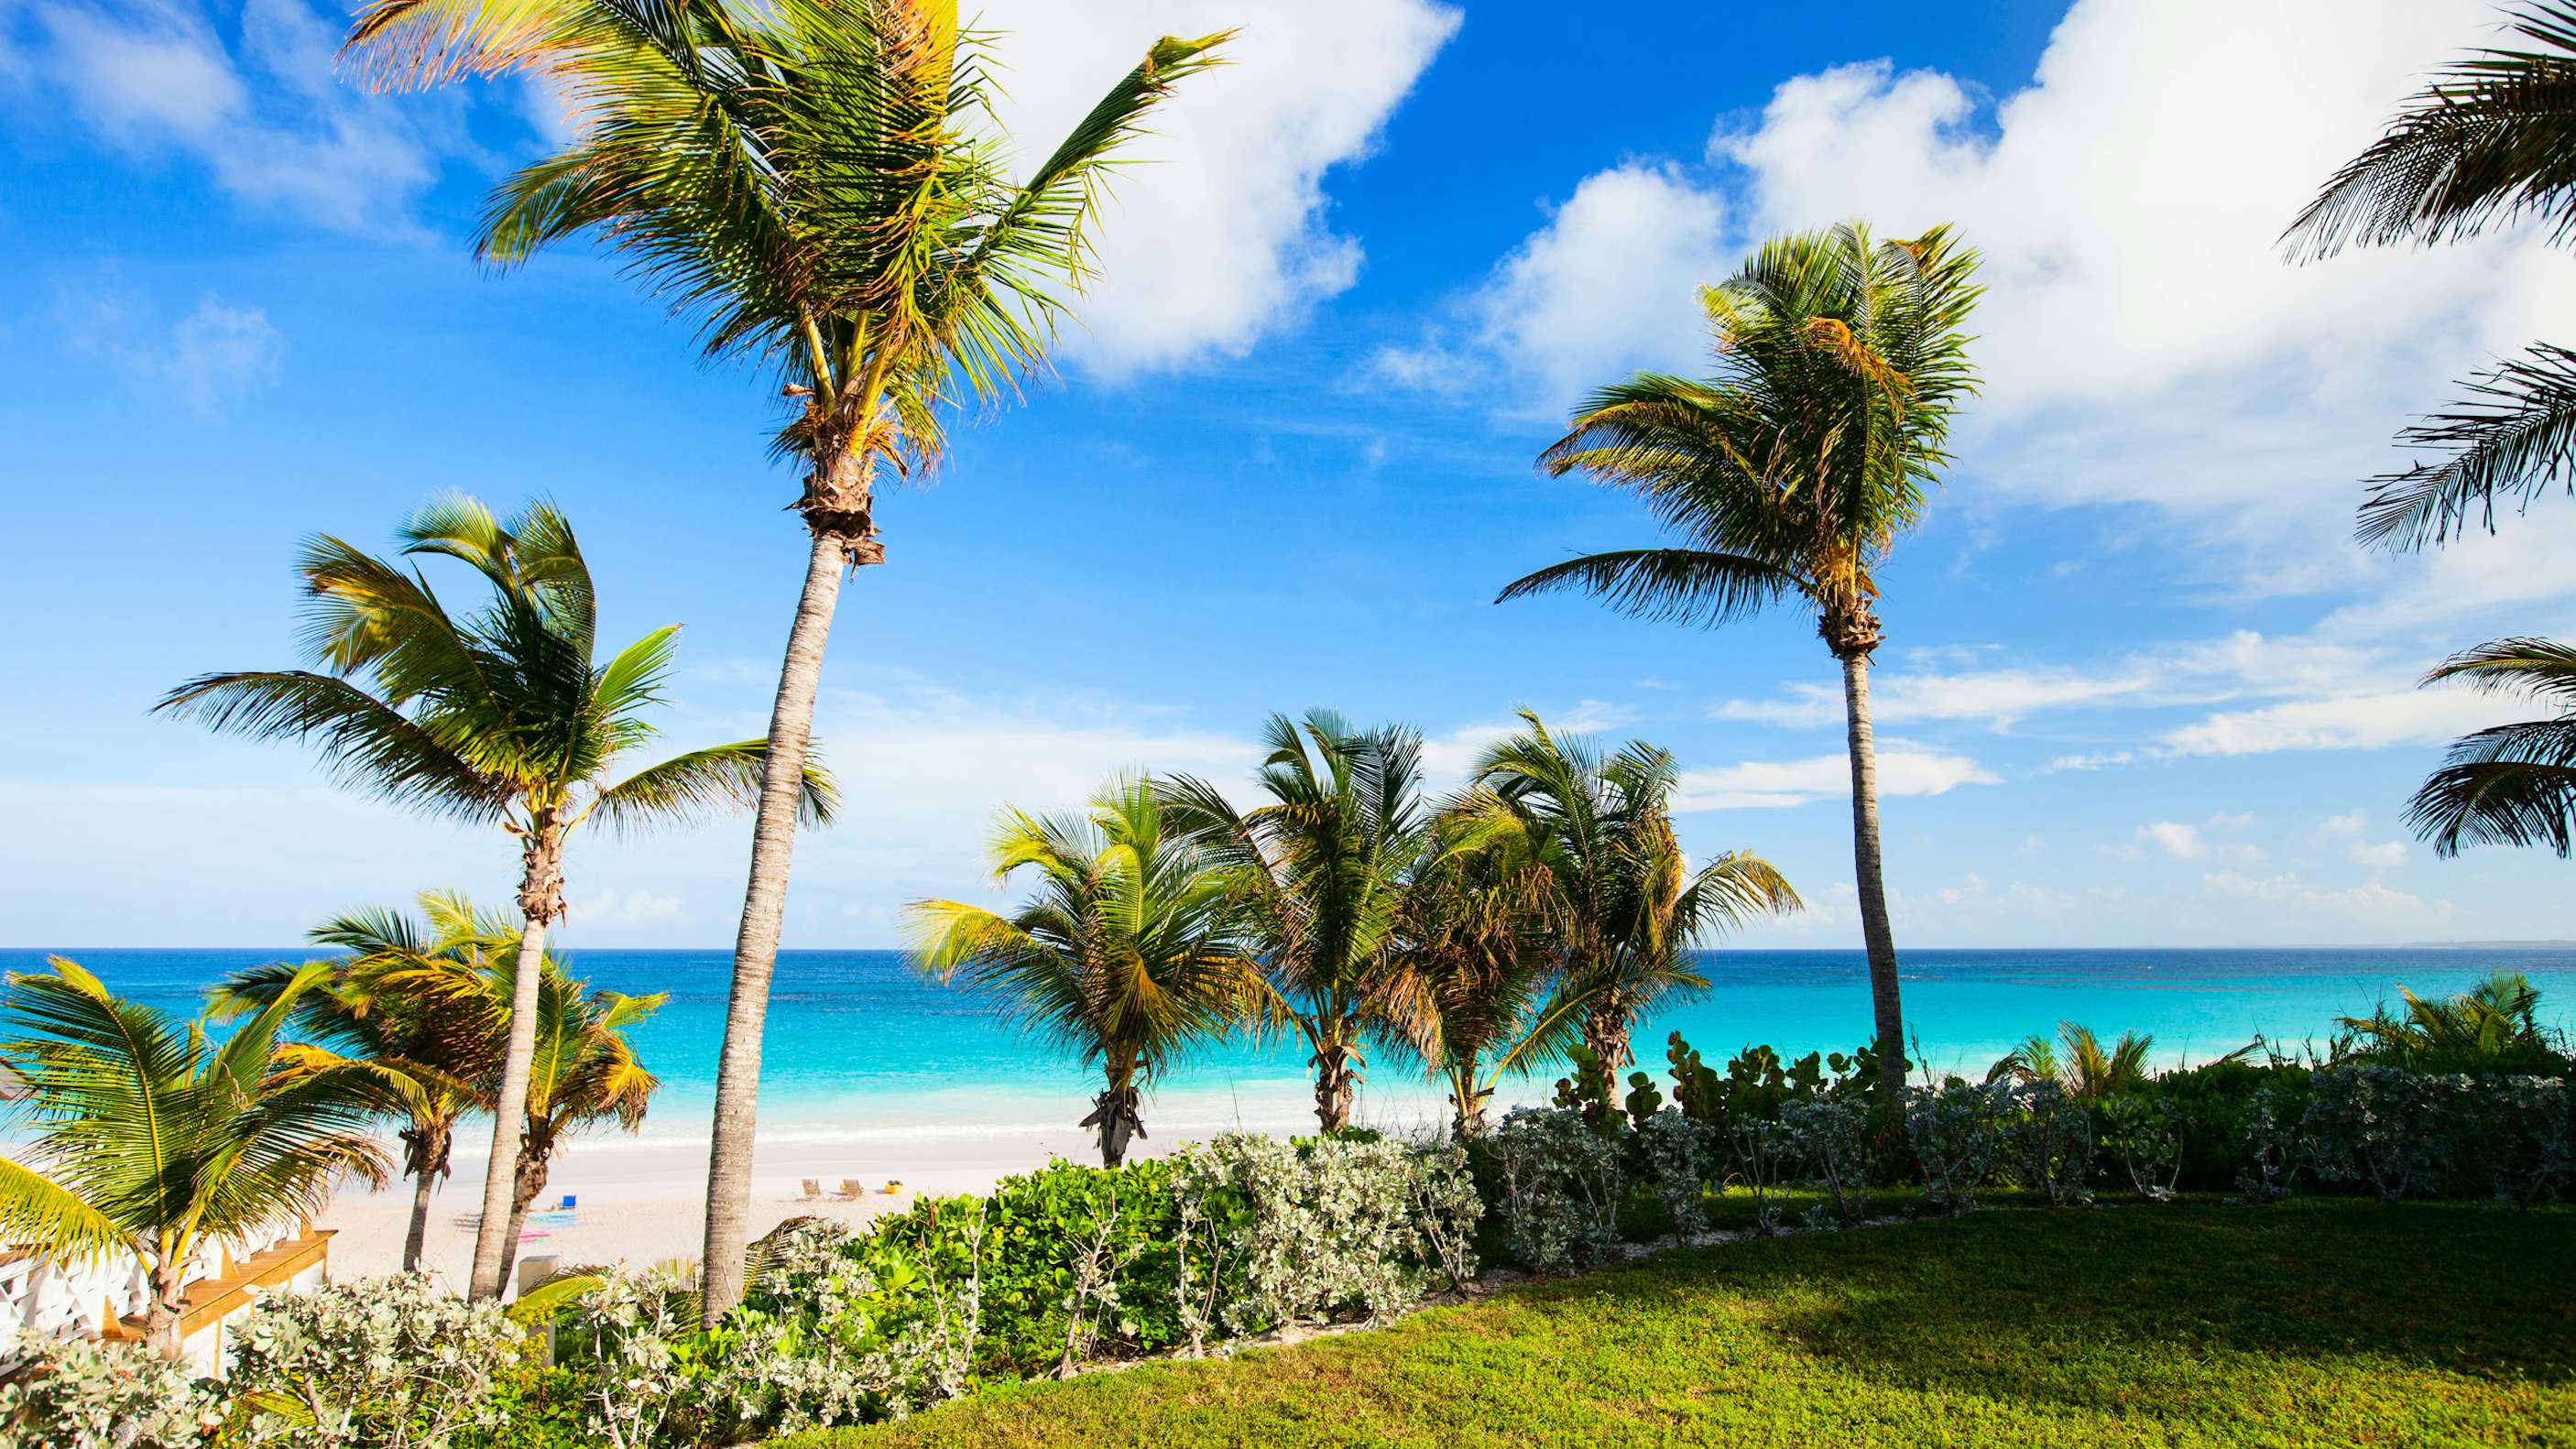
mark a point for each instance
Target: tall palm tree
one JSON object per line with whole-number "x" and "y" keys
{"x": 143, "y": 1136}
{"x": 1131, "y": 951}
{"x": 2490, "y": 141}
{"x": 1628, "y": 905}
{"x": 1323, "y": 866}
{"x": 1479, "y": 932}
{"x": 404, "y": 998}
{"x": 821, "y": 184}
{"x": 494, "y": 718}
{"x": 584, "y": 1074}
{"x": 1789, "y": 474}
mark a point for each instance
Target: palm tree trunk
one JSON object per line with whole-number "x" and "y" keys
{"x": 161, "y": 1316}
{"x": 428, "y": 1164}
{"x": 540, "y": 900}
{"x": 1874, "y": 929}
{"x": 1336, "y": 1077}
{"x": 1468, "y": 1099}
{"x": 764, "y": 903}
{"x": 1606, "y": 1030}
{"x": 527, "y": 1182}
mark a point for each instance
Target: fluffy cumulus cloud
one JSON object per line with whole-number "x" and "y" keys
{"x": 1223, "y": 230}
{"x": 1904, "y": 768}
{"x": 2144, "y": 339}
{"x": 262, "y": 109}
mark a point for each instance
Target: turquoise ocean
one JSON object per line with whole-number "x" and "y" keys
{"x": 859, "y": 1046}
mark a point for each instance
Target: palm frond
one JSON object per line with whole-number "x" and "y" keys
{"x": 2516, "y": 437}
{"x": 722, "y": 777}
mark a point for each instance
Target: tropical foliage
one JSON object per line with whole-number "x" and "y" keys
{"x": 821, "y": 185}
{"x": 142, "y": 1136}
{"x": 405, "y": 999}
{"x": 1790, "y": 473}
{"x": 1323, "y": 865}
{"x": 1132, "y": 952}
{"x": 2088, "y": 1070}
{"x": 2493, "y": 1026}
{"x": 498, "y": 717}
{"x": 1623, "y": 905}
{"x": 2488, "y": 142}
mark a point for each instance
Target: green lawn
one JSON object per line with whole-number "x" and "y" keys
{"x": 2325, "y": 1323}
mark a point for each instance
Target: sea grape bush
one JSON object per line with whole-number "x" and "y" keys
{"x": 82, "y": 1395}
{"x": 2385, "y": 1126}
{"x": 1955, "y": 1131}
{"x": 2271, "y": 1145}
{"x": 2140, "y": 1130}
{"x": 2528, "y": 1137}
{"x": 1328, "y": 1228}
{"x": 1830, "y": 1136}
{"x": 378, "y": 1363}
{"x": 2046, "y": 1139}
{"x": 1563, "y": 1182}
{"x": 1676, "y": 1149}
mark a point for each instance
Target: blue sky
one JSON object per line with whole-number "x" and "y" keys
{"x": 2138, "y": 689}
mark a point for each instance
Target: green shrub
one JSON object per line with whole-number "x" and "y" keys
{"x": 377, "y": 1361}
{"x": 81, "y": 1395}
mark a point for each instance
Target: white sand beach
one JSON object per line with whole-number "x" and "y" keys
{"x": 641, "y": 1203}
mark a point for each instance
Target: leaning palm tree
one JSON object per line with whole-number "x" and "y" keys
{"x": 403, "y": 998}
{"x": 1323, "y": 865}
{"x": 144, "y": 1137}
{"x": 2514, "y": 784}
{"x": 1132, "y": 951}
{"x": 821, "y": 184}
{"x": 1628, "y": 905}
{"x": 2489, "y": 142}
{"x": 497, "y": 718}
{"x": 1788, "y": 475}
{"x": 585, "y": 1074}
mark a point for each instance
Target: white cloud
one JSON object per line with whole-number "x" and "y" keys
{"x": 2143, "y": 339}
{"x": 1222, "y": 231}
{"x": 2178, "y": 840}
{"x": 2370, "y": 904}
{"x": 1449, "y": 756}
{"x": 2344, "y": 722}
{"x": 215, "y": 353}
{"x": 1998, "y": 696}
{"x": 269, "y": 117}
{"x": 1610, "y": 283}
{"x": 609, "y": 906}
{"x": 1903, "y": 769}
{"x": 2385, "y": 855}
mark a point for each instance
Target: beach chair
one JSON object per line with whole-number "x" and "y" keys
{"x": 813, "y": 1189}
{"x": 852, "y": 1189}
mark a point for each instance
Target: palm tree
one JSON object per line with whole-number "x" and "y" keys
{"x": 1478, "y": 931}
{"x": 584, "y": 1073}
{"x": 822, "y": 185}
{"x": 2491, "y": 140}
{"x": 1788, "y": 476}
{"x": 1132, "y": 950}
{"x": 495, "y": 718}
{"x": 403, "y": 999}
{"x": 2494, "y": 1025}
{"x": 1323, "y": 867}
{"x": 147, "y": 1138}
{"x": 2089, "y": 1071}
{"x": 2514, "y": 784}
{"x": 1628, "y": 905}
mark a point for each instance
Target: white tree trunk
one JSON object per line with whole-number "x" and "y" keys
{"x": 492, "y": 1236}
{"x": 764, "y": 904}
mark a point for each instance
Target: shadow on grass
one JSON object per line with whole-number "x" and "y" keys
{"x": 2139, "y": 1309}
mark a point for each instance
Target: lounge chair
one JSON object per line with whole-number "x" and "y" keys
{"x": 813, "y": 1189}
{"x": 852, "y": 1189}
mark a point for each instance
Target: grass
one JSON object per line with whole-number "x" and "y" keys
{"x": 2312, "y": 1323}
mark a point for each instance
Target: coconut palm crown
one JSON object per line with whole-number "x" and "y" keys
{"x": 1788, "y": 475}
{"x": 1131, "y": 951}
{"x": 144, "y": 1136}
{"x": 823, "y": 186}
{"x": 1323, "y": 864}
{"x": 498, "y": 717}
{"x": 1629, "y": 906}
